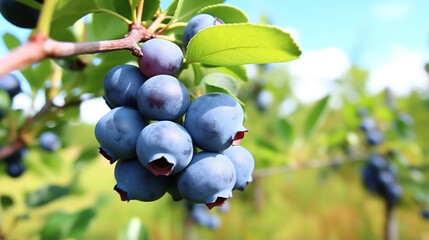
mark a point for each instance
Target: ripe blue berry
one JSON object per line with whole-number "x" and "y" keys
{"x": 50, "y": 141}
{"x": 163, "y": 97}
{"x": 136, "y": 182}
{"x": 117, "y": 133}
{"x": 202, "y": 216}
{"x": 374, "y": 138}
{"x": 368, "y": 124}
{"x": 15, "y": 169}
{"x": 425, "y": 213}
{"x": 122, "y": 84}
{"x": 160, "y": 56}
{"x": 10, "y": 84}
{"x": 377, "y": 161}
{"x": 198, "y": 23}
{"x": 244, "y": 164}
{"x": 14, "y": 163}
{"x": 164, "y": 147}
{"x": 393, "y": 193}
{"x": 209, "y": 179}
{"x": 215, "y": 122}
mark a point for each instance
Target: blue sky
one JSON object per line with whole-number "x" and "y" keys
{"x": 388, "y": 37}
{"x": 366, "y": 30}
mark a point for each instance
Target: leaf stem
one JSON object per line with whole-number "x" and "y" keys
{"x": 140, "y": 12}
{"x": 156, "y": 24}
{"x": 44, "y": 22}
{"x": 114, "y": 14}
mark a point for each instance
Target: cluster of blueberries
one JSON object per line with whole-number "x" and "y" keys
{"x": 379, "y": 175}
{"x": 162, "y": 141}
{"x": 48, "y": 141}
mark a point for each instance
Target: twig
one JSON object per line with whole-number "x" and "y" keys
{"x": 140, "y": 12}
{"x": 305, "y": 165}
{"x": 40, "y": 47}
{"x": 391, "y": 226}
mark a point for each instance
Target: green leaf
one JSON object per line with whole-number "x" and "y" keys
{"x": 123, "y": 8}
{"x": 316, "y": 116}
{"x": 87, "y": 156}
{"x": 56, "y": 226}
{"x": 67, "y": 225}
{"x": 243, "y": 43}
{"x": 285, "y": 129}
{"x": 31, "y": 3}
{"x": 198, "y": 73}
{"x": 6, "y": 202}
{"x": 81, "y": 222}
{"x": 45, "y": 195}
{"x": 98, "y": 31}
{"x": 150, "y": 8}
{"x": 11, "y": 41}
{"x": 186, "y": 9}
{"x": 171, "y": 9}
{"x": 236, "y": 71}
{"x": 226, "y": 13}
{"x": 219, "y": 82}
{"x": 67, "y": 12}
{"x": 134, "y": 230}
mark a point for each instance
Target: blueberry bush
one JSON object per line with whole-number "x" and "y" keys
{"x": 196, "y": 147}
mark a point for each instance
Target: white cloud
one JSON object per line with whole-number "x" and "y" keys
{"x": 391, "y": 10}
{"x": 402, "y": 74}
{"x": 315, "y": 72}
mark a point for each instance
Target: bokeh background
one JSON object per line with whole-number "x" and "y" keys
{"x": 366, "y": 56}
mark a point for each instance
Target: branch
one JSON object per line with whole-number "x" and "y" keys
{"x": 10, "y": 149}
{"x": 305, "y": 165}
{"x": 41, "y": 47}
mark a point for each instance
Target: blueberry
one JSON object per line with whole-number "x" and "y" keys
{"x": 117, "y": 133}
{"x": 50, "y": 141}
{"x": 164, "y": 147}
{"x": 11, "y": 84}
{"x": 368, "y": 124}
{"x": 425, "y": 213}
{"x": 136, "y": 182}
{"x": 202, "y": 216}
{"x": 377, "y": 161}
{"x": 244, "y": 164}
{"x": 370, "y": 179}
{"x": 215, "y": 122}
{"x": 374, "y": 138}
{"x": 15, "y": 169}
{"x": 163, "y": 97}
{"x": 393, "y": 193}
{"x": 209, "y": 179}
{"x": 19, "y": 14}
{"x": 264, "y": 100}
{"x": 122, "y": 84}
{"x": 198, "y": 23}
{"x": 14, "y": 163}
{"x": 160, "y": 56}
